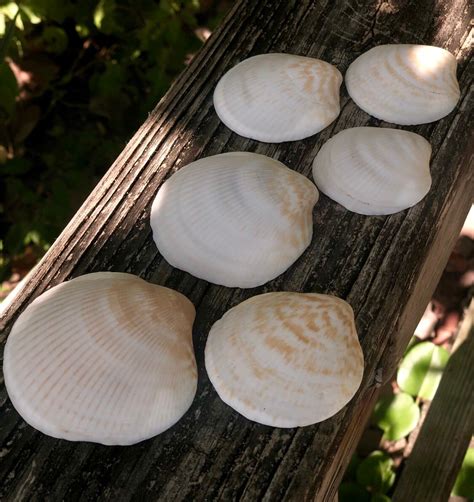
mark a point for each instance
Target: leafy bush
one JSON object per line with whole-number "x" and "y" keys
{"x": 368, "y": 480}
{"x": 421, "y": 370}
{"x": 76, "y": 80}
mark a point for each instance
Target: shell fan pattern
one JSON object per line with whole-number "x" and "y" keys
{"x": 374, "y": 171}
{"x": 237, "y": 219}
{"x": 404, "y": 84}
{"x": 286, "y": 359}
{"x": 106, "y": 357}
{"x": 278, "y": 97}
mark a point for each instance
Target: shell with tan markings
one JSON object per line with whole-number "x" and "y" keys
{"x": 404, "y": 83}
{"x": 106, "y": 357}
{"x": 238, "y": 219}
{"x": 286, "y": 359}
{"x": 278, "y": 97}
{"x": 374, "y": 170}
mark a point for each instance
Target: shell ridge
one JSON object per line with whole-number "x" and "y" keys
{"x": 404, "y": 84}
{"x": 81, "y": 395}
{"x": 302, "y": 375}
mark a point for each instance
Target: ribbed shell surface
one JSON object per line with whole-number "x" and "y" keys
{"x": 286, "y": 359}
{"x": 236, "y": 219}
{"x": 105, "y": 357}
{"x": 404, "y": 84}
{"x": 278, "y": 97}
{"x": 374, "y": 171}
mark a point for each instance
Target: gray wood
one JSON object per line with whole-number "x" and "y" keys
{"x": 432, "y": 467}
{"x": 380, "y": 264}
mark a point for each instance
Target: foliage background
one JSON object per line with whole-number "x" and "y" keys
{"x": 76, "y": 80}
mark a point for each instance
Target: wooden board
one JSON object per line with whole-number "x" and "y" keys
{"x": 382, "y": 265}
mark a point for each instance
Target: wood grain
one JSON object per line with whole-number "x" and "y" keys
{"x": 381, "y": 265}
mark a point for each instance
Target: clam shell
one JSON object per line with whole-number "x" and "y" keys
{"x": 106, "y": 357}
{"x": 404, "y": 84}
{"x": 286, "y": 359}
{"x": 278, "y": 97}
{"x": 374, "y": 171}
{"x": 237, "y": 219}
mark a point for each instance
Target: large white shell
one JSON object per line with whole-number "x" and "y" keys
{"x": 237, "y": 219}
{"x": 106, "y": 357}
{"x": 404, "y": 84}
{"x": 371, "y": 170}
{"x": 286, "y": 359}
{"x": 278, "y": 97}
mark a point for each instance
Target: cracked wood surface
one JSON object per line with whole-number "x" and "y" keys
{"x": 382, "y": 265}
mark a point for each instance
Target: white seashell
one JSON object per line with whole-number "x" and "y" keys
{"x": 286, "y": 359}
{"x": 106, "y": 357}
{"x": 237, "y": 219}
{"x": 278, "y": 97}
{"x": 404, "y": 84}
{"x": 374, "y": 171}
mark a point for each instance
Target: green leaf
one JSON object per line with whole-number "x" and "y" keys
{"x": 352, "y": 468}
{"x": 110, "y": 81}
{"x": 82, "y": 30}
{"x": 351, "y": 492}
{"x": 54, "y": 39}
{"x": 8, "y": 90}
{"x": 53, "y": 10}
{"x": 464, "y": 485}
{"x": 29, "y": 14}
{"x": 379, "y": 497}
{"x": 9, "y": 31}
{"x": 421, "y": 370}
{"x": 413, "y": 341}
{"x": 10, "y": 9}
{"x": 99, "y": 14}
{"x": 397, "y": 415}
{"x": 15, "y": 167}
{"x": 375, "y": 472}
{"x": 32, "y": 237}
{"x": 105, "y": 17}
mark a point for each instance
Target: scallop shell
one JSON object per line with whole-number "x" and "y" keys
{"x": 105, "y": 357}
{"x": 278, "y": 97}
{"x": 286, "y": 359}
{"x": 404, "y": 84}
{"x": 374, "y": 171}
{"x": 237, "y": 219}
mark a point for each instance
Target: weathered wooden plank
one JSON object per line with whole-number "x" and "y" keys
{"x": 378, "y": 263}
{"x": 446, "y": 432}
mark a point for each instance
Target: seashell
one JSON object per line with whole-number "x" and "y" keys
{"x": 374, "y": 171}
{"x": 404, "y": 84}
{"x": 286, "y": 359}
{"x": 106, "y": 357}
{"x": 278, "y": 97}
{"x": 238, "y": 219}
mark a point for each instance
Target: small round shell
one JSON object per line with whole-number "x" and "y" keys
{"x": 374, "y": 171}
{"x": 286, "y": 359}
{"x": 404, "y": 84}
{"x": 237, "y": 219}
{"x": 105, "y": 357}
{"x": 278, "y": 97}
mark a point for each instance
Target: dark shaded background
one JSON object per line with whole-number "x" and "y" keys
{"x": 77, "y": 78}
